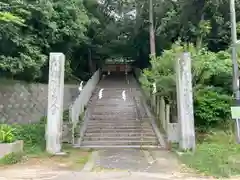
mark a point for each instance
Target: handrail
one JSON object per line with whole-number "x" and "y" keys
{"x": 80, "y": 103}
{"x": 161, "y": 110}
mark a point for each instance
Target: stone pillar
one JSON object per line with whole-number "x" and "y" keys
{"x": 163, "y": 112}
{"x": 185, "y": 102}
{"x": 55, "y": 103}
{"x": 167, "y": 114}
{"x": 154, "y": 98}
{"x": 158, "y": 106}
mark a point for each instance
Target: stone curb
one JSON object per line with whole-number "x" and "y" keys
{"x": 91, "y": 162}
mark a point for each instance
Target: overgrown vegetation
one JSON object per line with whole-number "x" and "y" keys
{"x": 33, "y": 136}
{"x": 217, "y": 154}
{"x": 89, "y": 31}
{"x": 212, "y": 100}
{"x": 6, "y": 134}
{"x": 11, "y": 158}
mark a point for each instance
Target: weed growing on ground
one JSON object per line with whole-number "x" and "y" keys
{"x": 216, "y": 155}
{"x": 11, "y": 158}
{"x": 7, "y": 134}
{"x": 33, "y": 136}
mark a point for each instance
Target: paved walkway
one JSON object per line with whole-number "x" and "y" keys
{"x": 122, "y": 176}
{"x": 111, "y": 164}
{"x": 136, "y": 160}
{"x": 34, "y": 175}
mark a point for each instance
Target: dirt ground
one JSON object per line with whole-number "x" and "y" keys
{"x": 44, "y": 166}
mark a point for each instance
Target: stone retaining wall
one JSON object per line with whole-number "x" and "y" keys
{"x": 25, "y": 103}
{"x": 7, "y": 148}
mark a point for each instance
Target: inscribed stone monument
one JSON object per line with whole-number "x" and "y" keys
{"x": 185, "y": 101}
{"x": 55, "y": 103}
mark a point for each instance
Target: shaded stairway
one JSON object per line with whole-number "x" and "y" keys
{"x": 115, "y": 121}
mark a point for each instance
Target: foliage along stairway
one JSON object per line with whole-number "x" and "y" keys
{"x": 115, "y": 121}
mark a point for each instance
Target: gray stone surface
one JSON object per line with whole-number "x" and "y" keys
{"x": 48, "y": 174}
{"x": 110, "y": 176}
{"x": 185, "y": 102}
{"x": 55, "y": 103}
{"x": 7, "y": 148}
{"x": 67, "y": 132}
{"x": 117, "y": 119}
{"x": 123, "y": 159}
{"x": 25, "y": 103}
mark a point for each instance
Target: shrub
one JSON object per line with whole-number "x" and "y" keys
{"x": 211, "y": 79}
{"x": 43, "y": 120}
{"x": 6, "y": 134}
{"x": 33, "y": 135}
{"x": 66, "y": 115}
{"x": 211, "y": 107}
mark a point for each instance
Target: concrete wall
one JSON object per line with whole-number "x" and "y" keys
{"x": 24, "y": 103}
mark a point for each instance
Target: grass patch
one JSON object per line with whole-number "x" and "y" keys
{"x": 75, "y": 159}
{"x": 33, "y": 136}
{"x": 12, "y": 158}
{"x": 217, "y": 155}
{"x": 34, "y": 153}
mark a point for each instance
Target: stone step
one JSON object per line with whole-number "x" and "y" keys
{"x": 112, "y": 96}
{"x": 113, "y": 99}
{"x": 112, "y": 105}
{"x": 120, "y": 142}
{"x": 119, "y": 138}
{"x": 116, "y": 124}
{"x": 118, "y": 146}
{"x": 113, "y": 109}
{"x": 115, "y": 90}
{"x": 104, "y": 91}
{"x": 115, "y": 93}
{"x": 118, "y": 108}
{"x": 111, "y": 116}
{"x": 121, "y": 134}
{"x": 127, "y": 112}
{"x": 114, "y": 120}
{"x": 119, "y": 102}
{"x": 131, "y": 114}
{"x": 119, "y": 127}
{"x": 106, "y": 130}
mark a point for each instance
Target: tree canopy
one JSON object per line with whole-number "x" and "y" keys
{"x": 90, "y": 31}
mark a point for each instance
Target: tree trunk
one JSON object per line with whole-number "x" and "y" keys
{"x": 151, "y": 30}
{"x": 199, "y": 42}
{"x": 90, "y": 63}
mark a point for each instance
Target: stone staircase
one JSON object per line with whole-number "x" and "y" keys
{"x": 115, "y": 122}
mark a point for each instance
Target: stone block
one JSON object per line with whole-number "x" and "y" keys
{"x": 7, "y": 148}
{"x": 173, "y": 132}
{"x": 67, "y": 133}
